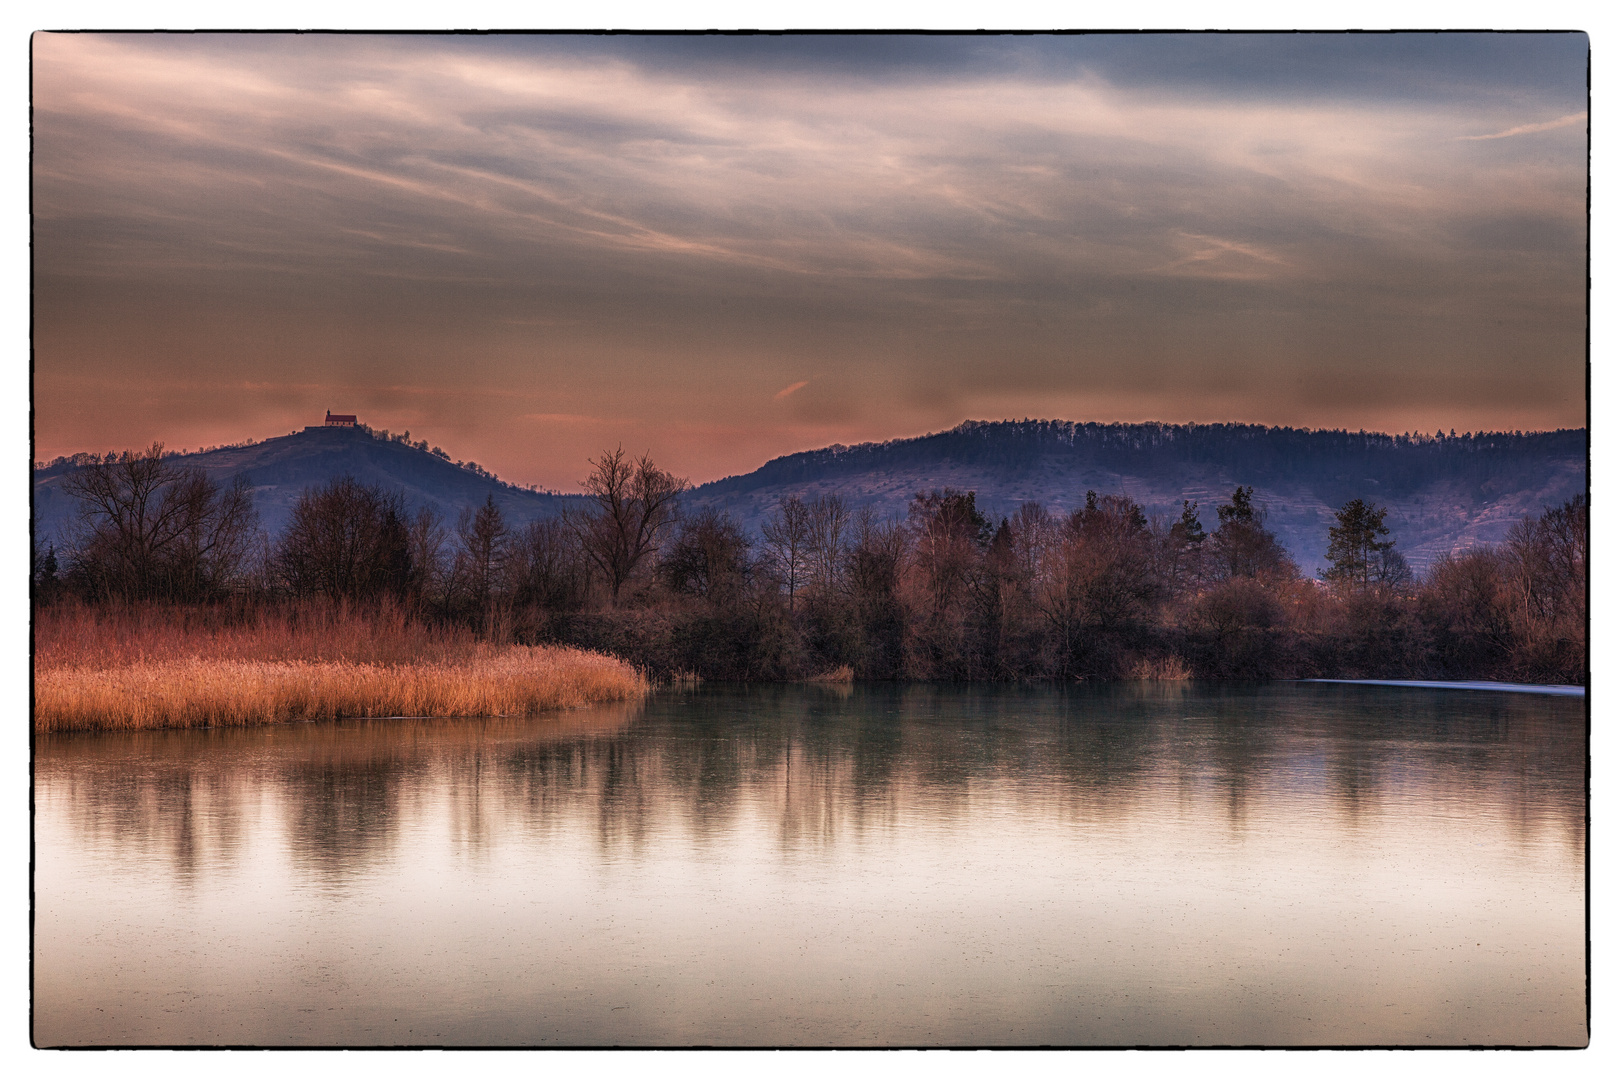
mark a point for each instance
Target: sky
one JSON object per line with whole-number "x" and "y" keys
{"x": 722, "y": 249}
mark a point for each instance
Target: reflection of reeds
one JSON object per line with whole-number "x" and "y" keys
{"x": 150, "y": 669}
{"x": 357, "y": 743}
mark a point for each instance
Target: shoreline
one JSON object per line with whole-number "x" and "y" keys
{"x": 511, "y": 682}
{"x": 1550, "y": 689}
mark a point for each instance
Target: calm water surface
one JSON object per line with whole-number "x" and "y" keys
{"x": 922, "y": 865}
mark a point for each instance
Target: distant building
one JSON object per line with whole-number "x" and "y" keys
{"x": 340, "y": 419}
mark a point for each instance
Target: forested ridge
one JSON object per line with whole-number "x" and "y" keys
{"x": 1397, "y": 462}
{"x": 1444, "y": 492}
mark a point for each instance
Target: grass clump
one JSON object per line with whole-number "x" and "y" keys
{"x": 1161, "y": 669}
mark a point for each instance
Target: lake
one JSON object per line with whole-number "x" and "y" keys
{"x": 1159, "y": 864}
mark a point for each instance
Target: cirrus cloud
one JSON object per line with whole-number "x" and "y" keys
{"x": 660, "y": 230}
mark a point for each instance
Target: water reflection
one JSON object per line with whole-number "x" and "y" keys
{"x": 890, "y": 797}
{"x": 827, "y": 766}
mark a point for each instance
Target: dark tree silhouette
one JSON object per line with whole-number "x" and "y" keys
{"x": 152, "y": 531}
{"x": 549, "y": 568}
{"x": 346, "y": 540}
{"x": 46, "y": 582}
{"x": 483, "y": 552}
{"x": 787, "y": 543}
{"x": 1183, "y": 549}
{"x": 950, "y": 535}
{"x": 1243, "y": 546}
{"x": 1188, "y": 529}
{"x": 708, "y": 557}
{"x": 1358, "y": 556}
{"x": 636, "y": 503}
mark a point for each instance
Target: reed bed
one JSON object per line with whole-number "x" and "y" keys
{"x": 89, "y": 675}
{"x": 75, "y": 635}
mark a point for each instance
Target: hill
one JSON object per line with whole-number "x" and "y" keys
{"x": 1443, "y": 493}
{"x": 280, "y": 469}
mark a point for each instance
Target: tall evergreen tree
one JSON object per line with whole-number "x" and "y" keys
{"x": 1243, "y": 546}
{"x": 1354, "y": 546}
{"x": 1188, "y": 530}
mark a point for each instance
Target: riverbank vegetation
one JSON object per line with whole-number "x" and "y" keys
{"x": 1104, "y": 592}
{"x": 236, "y": 664}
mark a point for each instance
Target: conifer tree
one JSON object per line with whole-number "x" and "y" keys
{"x": 1354, "y": 546}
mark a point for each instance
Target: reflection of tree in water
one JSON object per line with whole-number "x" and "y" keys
{"x": 137, "y": 793}
{"x": 342, "y": 812}
{"x": 816, "y": 767}
{"x": 697, "y": 759}
{"x": 704, "y": 765}
{"x": 830, "y": 766}
{"x": 844, "y": 767}
{"x": 541, "y": 782}
{"x": 1524, "y": 754}
{"x": 468, "y": 780}
{"x": 628, "y": 790}
{"x": 1245, "y": 736}
{"x": 1105, "y": 743}
{"x": 815, "y": 763}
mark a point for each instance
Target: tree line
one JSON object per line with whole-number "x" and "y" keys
{"x": 1104, "y": 592}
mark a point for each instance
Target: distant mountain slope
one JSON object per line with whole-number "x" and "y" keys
{"x": 281, "y": 468}
{"x": 1443, "y": 494}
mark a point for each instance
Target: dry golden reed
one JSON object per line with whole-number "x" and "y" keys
{"x": 74, "y": 635}
{"x": 1163, "y": 669}
{"x": 352, "y": 666}
{"x": 843, "y": 673}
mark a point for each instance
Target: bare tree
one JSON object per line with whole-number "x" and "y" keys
{"x": 346, "y": 540}
{"x": 426, "y": 546}
{"x": 1058, "y": 591}
{"x": 151, "y": 530}
{"x": 1020, "y": 561}
{"x": 483, "y": 552}
{"x": 787, "y": 543}
{"x": 1037, "y": 535}
{"x": 709, "y": 557}
{"x": 950, "y": 538}
{"x": 1109, "y": 559}
{"x": 1546, "y": 563}
{"x": 1468, "y": 601}
{"x": 872, "y": 575}
{"x": 635, "y": 502}
{"x": 828, "y": 541}
{"x": 547, "y": 567}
